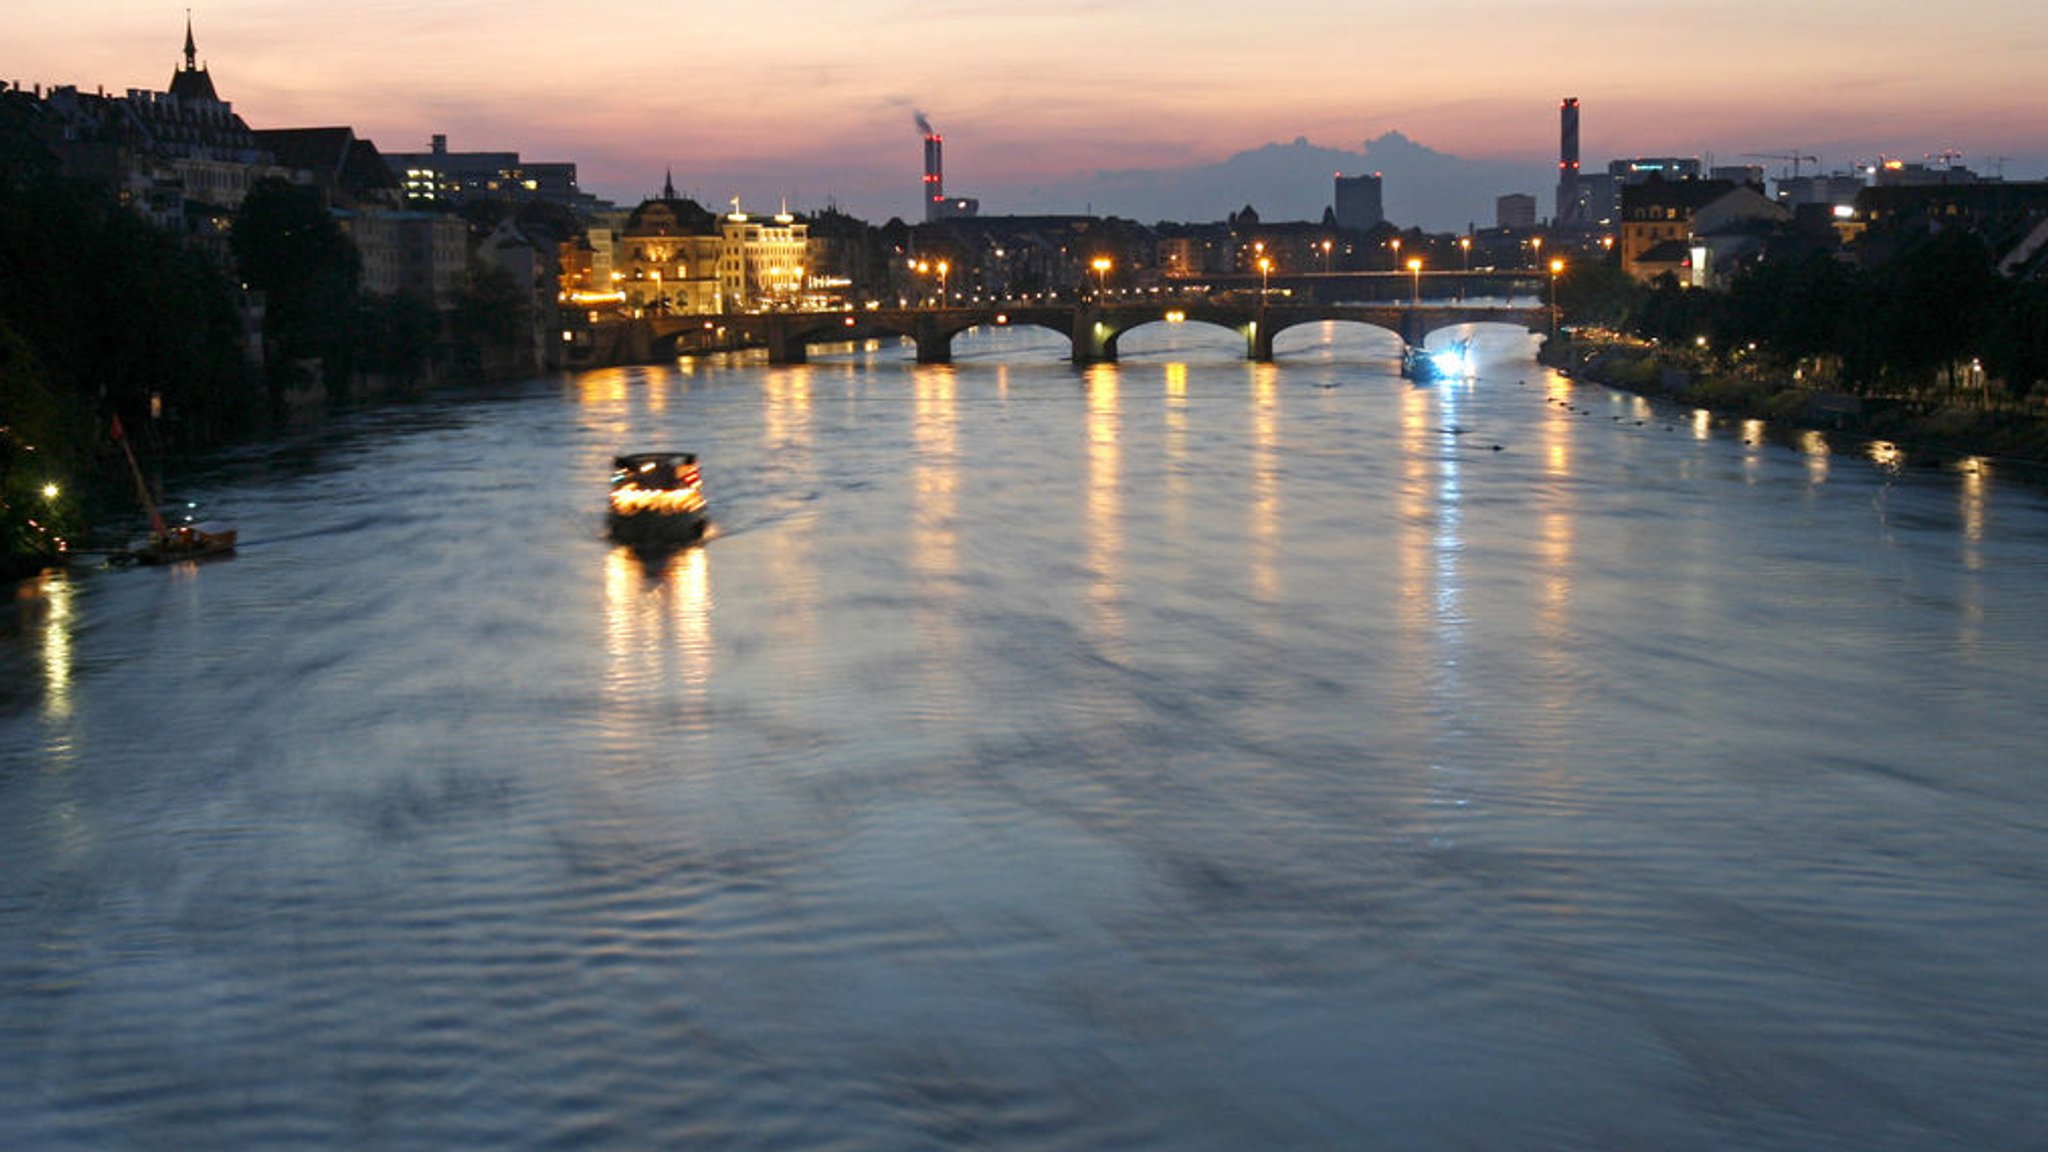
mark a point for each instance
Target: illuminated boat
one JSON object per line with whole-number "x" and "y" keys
{"x": 1424, "y": 366}
{"x": 170, "y": 544}
{"x": 657, "y": 500}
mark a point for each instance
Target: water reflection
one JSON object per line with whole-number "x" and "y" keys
{"x": 1105, "y": 501}
{"x": 54, "y": 592}
{"x": 658, "y": 634}
{"x": 787, "y": 438}
{"x": 1818, "y": 455}
{"x": 1175, "y": 448}
{"x": 1265, "y": 484}
{"x": 935, "y": 475}
{"x": 786, "y": 408}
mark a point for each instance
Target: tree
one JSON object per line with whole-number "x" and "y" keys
{"x": 292, "y": 250}
{"x": 38, "y": 459}
{"x": 1938, "y": 298}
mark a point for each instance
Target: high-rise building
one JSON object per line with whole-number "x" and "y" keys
{"x": 1359, "y": 207}
{"x": 1571, "y": 210}
{"x": 1515, "y": 210}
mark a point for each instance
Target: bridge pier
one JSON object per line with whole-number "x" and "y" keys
{"x": 1258, "y": 339}
{"x": 1094, "y": 341}
{"x": 934, "y": 341}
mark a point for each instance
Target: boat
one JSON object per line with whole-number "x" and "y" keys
{"x": 170, "y": 543}
{"x": 657, "y": 500}
{"x": 1450, "y": 363}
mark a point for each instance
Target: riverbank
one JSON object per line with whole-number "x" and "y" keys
{"x": 1931, "y": 429}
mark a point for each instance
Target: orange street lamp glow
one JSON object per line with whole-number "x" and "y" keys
{"x": 1415, "y": 273}
{"x": 1265, "y": 270}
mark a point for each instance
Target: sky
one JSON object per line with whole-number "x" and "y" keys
{"x": 813, "y": 103}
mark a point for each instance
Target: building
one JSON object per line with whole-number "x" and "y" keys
{"x": 1571, "y": 205}
{"x": 1902, "y": 174}
{"x": 424, "y": 254}
{"x": 1638, "y": 169}
{"x": 673, "y": 255}
{"x": 182, "y": 158}
{"x": 1359, "y": 203}
{"x": 1841, "y": 188}
{"x": 348, "y": 172}
{"x": 666, "y": 257}
{"x": 1515, "y": 210}
{"x": 1730, "y": 232}
{"x": 462, "y": 177}
{"x": 1656, "y": 224}
{"x": 1602, "y": 193}
{"x": 764, "y": 261}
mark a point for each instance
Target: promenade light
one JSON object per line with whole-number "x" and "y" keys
{"x": 1101, "y": 264}
{"x": 1556, "y": 266}
{"x": 1415, "y": 274}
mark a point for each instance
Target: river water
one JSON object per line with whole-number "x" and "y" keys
{"x": 1184, "y": 754}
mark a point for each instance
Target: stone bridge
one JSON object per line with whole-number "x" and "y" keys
{"x": 1092, "y": 328}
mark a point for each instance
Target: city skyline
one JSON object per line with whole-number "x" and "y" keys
{"x": 815, "y": 105}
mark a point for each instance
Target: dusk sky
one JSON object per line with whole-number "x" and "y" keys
{"x": 814, "y": 101}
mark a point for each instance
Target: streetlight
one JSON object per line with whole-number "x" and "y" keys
{"x": 1265, "y": 270}
{"x": 1395, "y": 243}
{"x": 1326, "y": 257}
{"x": 1536, "y": 245}
{"x": 1556, "y": 266}
{"x": 1415, "y": 273}
{"x": 1101, "y": 265}
{"x": 1465, "y": 247}
{"x": 943, "y": 269}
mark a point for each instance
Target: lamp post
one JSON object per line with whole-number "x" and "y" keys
{"x": 1265, "y": 270}
{"x": 1395, "y": 244}
{"x": 943, "y": 269}
{"x": 1101, "y": 264}
{"x": 1536, "y": 247}
{"x": 1556, "y": 266}
{"x": 1415, "y": 274}
{"x": 1326, "y": 257}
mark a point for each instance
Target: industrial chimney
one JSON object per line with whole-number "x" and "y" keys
{"x": 934, "y": 171}
{"x": 1569, "y": 210}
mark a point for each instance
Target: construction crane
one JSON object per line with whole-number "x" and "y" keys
{"x": 1792, "y": 158}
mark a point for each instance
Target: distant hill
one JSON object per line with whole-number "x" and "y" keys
{"x": 1423, "y": 187}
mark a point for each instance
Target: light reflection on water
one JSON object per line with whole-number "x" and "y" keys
{"x": 1180, "y": 754}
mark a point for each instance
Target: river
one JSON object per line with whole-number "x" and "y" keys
{"x": 1182, "y": 754}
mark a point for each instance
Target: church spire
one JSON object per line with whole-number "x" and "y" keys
{"x": 668, "y": 185}
{"x": 191, "y": 49}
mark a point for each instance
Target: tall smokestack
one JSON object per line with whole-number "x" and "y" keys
{"x": 934, "y": 169}
{"x": 1568, "y": 208}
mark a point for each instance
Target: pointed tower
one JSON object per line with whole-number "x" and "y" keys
{"x": 668, "y": 184}
{"x": 191, "y": 83}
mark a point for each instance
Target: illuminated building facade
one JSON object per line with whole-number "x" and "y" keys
{"x": 464, "y": 177}
{"x": 674, "y": 256}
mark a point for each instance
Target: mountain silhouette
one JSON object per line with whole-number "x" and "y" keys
{"x": 1421, "y": 186}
